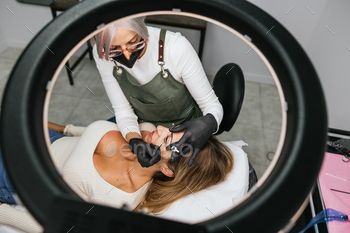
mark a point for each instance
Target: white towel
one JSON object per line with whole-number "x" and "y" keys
{"x": 218, "y": 199}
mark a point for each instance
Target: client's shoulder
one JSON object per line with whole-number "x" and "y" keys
{"x": 102, "y": 125}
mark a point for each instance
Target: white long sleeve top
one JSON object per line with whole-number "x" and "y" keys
{"x": 80, "y": 173}
{"x": 184, "y": 65}
{"x": 73, "y": 158}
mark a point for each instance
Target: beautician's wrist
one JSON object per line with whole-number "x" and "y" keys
{"x": 215, "y": 124}
{"x": 131, "y": 135}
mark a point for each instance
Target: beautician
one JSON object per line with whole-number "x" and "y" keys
{"x": 153, "y": 75}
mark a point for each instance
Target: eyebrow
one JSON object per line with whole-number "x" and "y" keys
{"x": 113, "y": 46}
{"x": 133, "y": 37}
{"x": 171, "y": 140}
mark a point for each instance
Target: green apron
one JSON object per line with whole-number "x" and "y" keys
{"x": 163, "y": 100}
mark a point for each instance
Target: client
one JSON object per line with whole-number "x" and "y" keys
{"x": 100, "y": 168}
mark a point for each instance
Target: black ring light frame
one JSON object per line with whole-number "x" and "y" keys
{"x": 267, "y": 209}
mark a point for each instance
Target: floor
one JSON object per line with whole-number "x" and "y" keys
{"x": 259, "y": 123}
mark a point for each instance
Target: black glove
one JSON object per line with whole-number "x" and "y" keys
{"x": 197, "y": 134}
{"x": 146, "y": 155}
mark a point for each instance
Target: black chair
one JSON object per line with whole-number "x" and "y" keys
{"x": 229, "y": 88}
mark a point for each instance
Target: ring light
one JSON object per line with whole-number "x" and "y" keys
{"x": 58, "y": 208}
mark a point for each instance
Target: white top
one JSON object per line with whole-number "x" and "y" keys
{"x": 72, "y": 157}
{"x": 184, "y": 65}
{"x": 80, "y": 173}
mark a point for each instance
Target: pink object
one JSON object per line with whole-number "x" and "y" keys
{"x": 335, "y": 175}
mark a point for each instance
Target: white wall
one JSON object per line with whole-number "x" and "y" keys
{"x": 299, "y": 21}
{"x": 222, "y": 47}
{"x": 305, "y": 19}
{"x": 330, "y": 55}
{"x": 20, "y": 22}
{"x": 328, "y": 52}
{"x": 295, "y": 15}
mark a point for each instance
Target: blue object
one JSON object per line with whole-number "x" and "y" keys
{"x": 6, "y": 189}
{"x": 326, "y": 215}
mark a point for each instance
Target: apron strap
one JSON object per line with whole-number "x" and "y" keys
{"x": 161, "y": 52}
{"x": 161, "y": 45}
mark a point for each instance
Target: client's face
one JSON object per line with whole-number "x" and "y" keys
{"x": 163, "y": 137}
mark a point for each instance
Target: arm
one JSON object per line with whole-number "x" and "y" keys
{"x": 68, "y": 130}
{"x": 200, "y": 129}
{"x": 126, "y": 118}
{"x": 20, "y": 219}
{"x": 56, "y": 127}
{"x": 190, "y": 68}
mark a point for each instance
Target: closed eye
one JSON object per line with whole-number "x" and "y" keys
{"x": 129, "y": 43}
{"x": 166, "y": 139}
{"x": 133, "y": 42}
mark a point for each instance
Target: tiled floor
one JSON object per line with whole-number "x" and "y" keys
{"x": 259, "y": 122}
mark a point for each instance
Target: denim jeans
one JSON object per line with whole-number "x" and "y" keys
{"x": 6, "y": 190}
{"x": 112, "y": 119}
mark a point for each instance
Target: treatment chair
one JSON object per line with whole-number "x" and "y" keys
{"x": 229, "y": 87}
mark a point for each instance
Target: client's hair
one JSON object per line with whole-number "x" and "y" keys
{"x": 211, "y": 167}
{"x": 104, "y": 39}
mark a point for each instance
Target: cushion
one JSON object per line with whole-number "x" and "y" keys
{"x": 218, "y": 199}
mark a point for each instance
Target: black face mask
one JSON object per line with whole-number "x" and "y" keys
{"x": 128, "y": 63}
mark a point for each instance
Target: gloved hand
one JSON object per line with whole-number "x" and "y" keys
{"x": 146, "y": 155}
{"x": 197, "y": 134}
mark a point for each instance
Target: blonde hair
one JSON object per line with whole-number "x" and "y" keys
{"x": 211, "y": 167}
{"x": 104, "y": 39}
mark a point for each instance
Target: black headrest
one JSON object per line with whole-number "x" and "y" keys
{"x": 229, "y": 87}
